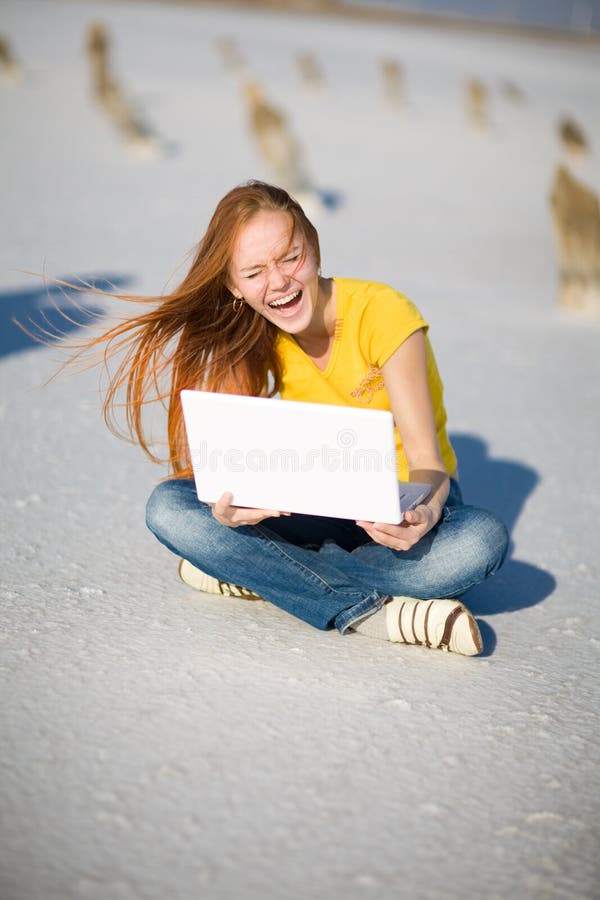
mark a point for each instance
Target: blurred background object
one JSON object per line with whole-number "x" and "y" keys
{"x": 392, "y": 75}
{"x": 576, "y": 213}
{"x": 10, "y": 70}
{"x": 573, "y": 138}
{"x": 139, "y": 137}
{"x": 311, "y": 73}
{"x": 98, "y": 54}
{"x": 276, "y": 143}
{"x": 229, "y": 53}
{"x": 477, "y": 102}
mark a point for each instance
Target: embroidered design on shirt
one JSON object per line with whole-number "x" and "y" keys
{"x": 370, "y": 384}
{"x": 337, "y": 331}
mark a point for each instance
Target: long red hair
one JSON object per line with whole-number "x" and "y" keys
{"x": 195, "y": 337}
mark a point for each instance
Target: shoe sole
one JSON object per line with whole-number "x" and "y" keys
{"x": 209, "y": 585}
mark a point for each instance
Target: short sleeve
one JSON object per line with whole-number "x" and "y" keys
{"x": 388, "y": 319}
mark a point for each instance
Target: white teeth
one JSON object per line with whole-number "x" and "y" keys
{"x": 276, "y": 303}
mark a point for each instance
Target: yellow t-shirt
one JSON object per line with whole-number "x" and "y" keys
{"x": 372, "y": 321}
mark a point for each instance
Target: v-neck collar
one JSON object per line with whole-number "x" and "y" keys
{"x": 337, "y": 335}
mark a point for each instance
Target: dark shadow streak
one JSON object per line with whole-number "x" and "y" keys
{"x": 50, "y": 311}
{"x": 502, "y": 486}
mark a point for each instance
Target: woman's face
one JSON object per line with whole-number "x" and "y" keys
{"x": 275, "y": 276}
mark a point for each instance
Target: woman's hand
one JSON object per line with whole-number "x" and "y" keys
{"x": 234, "y": 516}
{"x": 416, "y": 523}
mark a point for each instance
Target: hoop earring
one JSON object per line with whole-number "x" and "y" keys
{"x": 239, "y": 301}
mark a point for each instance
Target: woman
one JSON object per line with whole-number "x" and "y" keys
{"x": 254, "y": 316}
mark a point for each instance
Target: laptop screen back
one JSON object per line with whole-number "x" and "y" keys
{"x": 293, "y": 456}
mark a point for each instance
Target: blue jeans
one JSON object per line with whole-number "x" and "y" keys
{"x": 325, "y": 571}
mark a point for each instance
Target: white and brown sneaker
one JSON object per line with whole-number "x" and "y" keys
{"x": 200, "y": 581}
{"x": 441, "y": 624}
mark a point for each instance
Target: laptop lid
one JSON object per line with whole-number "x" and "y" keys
{"x": 294, "y": 456}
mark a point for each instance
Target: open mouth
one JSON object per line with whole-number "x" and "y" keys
{"x": 288, "y": 303}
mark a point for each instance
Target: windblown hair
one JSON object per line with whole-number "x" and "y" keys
{"x": 194, "y": 336}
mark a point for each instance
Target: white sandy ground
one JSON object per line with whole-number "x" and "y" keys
{"x": 157, "y": 743}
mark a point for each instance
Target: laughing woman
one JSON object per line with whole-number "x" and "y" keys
{"x": 254, "y": 316}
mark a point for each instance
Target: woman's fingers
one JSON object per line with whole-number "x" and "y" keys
{"x": 222, "y": 505}
{"x": 389, "y": 535}
{"x": 405, "y": 541}
{"x": 398, "y": 537}
{"x": 417, "y": 516}
{"x": 234, "y": 516}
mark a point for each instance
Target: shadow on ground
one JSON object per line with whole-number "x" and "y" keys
{"x": 503, "y": 486}
{"x": 49, "y": 311}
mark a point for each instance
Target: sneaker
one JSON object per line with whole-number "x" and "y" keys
{"x": 200, "y": 581}
{"x": 442, "y": 624}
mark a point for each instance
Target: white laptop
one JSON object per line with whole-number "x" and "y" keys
{"x": 297, "y": 457}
